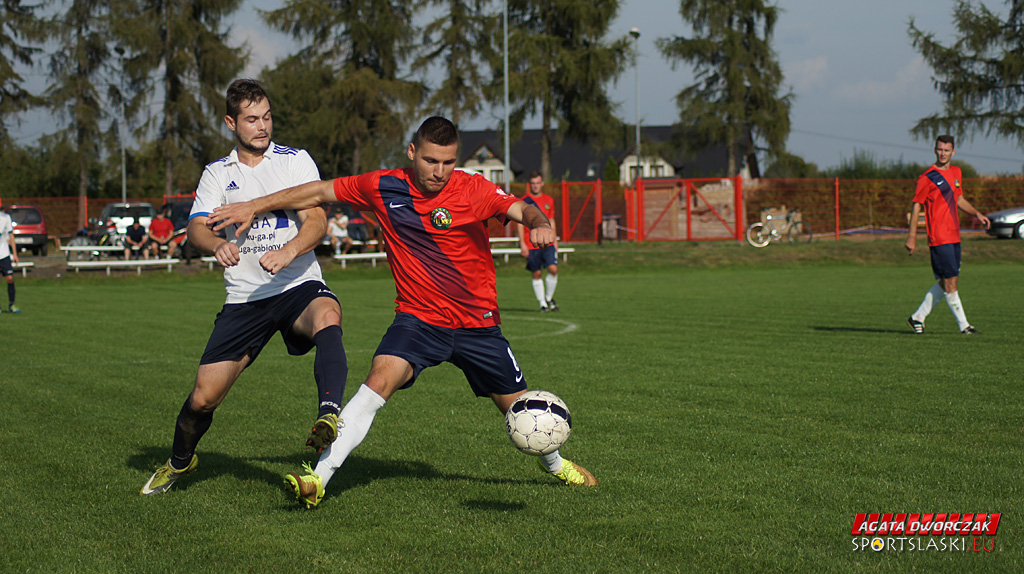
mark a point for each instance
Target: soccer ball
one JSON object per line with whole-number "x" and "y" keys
{"x": 538, "y": 422}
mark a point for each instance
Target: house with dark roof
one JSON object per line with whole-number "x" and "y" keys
{"x": 483, "y": 151}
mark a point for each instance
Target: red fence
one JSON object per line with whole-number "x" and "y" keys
{"x": 681, "y": 209}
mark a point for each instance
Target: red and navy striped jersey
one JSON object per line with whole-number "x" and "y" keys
{"x": 938, "y": 190}
{"x": 437, "y": 245}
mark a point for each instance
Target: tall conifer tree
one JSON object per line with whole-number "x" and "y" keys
{"x": 980, "y": 73}
{"x": 736, "y": 100}
{"x": 364, "y": 43}
{"x": 179, "y": 55}
{"x": 560, "y": 66}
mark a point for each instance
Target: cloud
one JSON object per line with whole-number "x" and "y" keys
{"x": 911, "y": 83}
{"x": 808, "y": 73}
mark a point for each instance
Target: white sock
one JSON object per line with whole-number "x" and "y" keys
{"x": 930, "y": 298}
{"x": 357, "y": 415}
{"x": 552, "y": 462}
{"x": 538, "y": 291}
{"x": 550, "y": 282}
{"x": 953, "y": 300}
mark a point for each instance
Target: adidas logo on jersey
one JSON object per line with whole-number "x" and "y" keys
{"x": 231, "y": 187}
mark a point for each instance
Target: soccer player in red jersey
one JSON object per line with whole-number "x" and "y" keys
{"x": 434, "y": 223}
{"x": 939, "y": 193}
{"x": 540, "y": 258}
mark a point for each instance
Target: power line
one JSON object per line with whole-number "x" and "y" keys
{"x": 1017, "y": 161}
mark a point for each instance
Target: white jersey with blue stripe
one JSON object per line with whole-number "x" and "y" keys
{"x": 228, "y": 180}
{"x": 6, "y": 229}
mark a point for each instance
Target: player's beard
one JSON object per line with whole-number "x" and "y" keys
{"x": 250, "y": 147}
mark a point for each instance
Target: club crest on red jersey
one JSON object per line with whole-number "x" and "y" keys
{"x": 441, "y": 218}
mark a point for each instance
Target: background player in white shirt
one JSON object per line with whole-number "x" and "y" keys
{"x": 8, "y": 253}
{"x": 272, "y": 278}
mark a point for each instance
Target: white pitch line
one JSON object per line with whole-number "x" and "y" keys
{"x": 569, "y": 327}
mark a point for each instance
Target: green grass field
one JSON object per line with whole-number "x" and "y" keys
{"x": 739, "y": 407}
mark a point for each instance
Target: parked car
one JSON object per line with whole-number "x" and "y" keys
{"x": 1007, "y": 223}
{"x": 29, "y": 228}
{"x": 118, "y": 217}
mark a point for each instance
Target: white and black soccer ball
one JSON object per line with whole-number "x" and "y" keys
{"x": 538, "y": 422}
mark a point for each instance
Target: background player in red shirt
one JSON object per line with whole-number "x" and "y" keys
{"x": 434, "y": 223}
{"x": 939, "y": 192}
{"x": 540, "y": 258}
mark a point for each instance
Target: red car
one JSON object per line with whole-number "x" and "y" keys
{"x": 29, "y": 228}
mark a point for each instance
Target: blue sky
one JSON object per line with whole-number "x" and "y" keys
{"x": 858, "y": 83}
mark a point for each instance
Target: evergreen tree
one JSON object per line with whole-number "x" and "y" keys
{"x": 79, "y": 33}
{"x": 364, "y": 44}
{"x": 18, "y": 27}
{"x": 736, "y": 99}
{"x": 559, "y": 68}
{"x": 178, "y": 50}
{"x": 980, "y": 75}
{"x": 457, "y": 41}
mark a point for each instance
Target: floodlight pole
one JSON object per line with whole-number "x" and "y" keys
{"x": 508, "y": 151}
{"x": 635, "y": 33}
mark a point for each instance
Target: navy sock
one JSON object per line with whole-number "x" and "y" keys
{"x": 10, "y": 293}
{"x": 191, "y": 427}
{"x": 330, "y": 369}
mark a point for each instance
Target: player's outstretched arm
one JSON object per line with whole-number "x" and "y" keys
{"x": 541, "y": 233}
{"x": 966, "y": 206}
{"x": 300, "y": 197}
{"x": 314, "y": 225}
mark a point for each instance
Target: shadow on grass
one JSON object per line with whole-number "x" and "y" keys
{"x": 833, "y": 329}
{"x": 357, "y": 471}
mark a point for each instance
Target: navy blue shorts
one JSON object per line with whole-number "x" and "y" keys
{"x": 6, "y": 267}
{"x": 483, "y": 354}
{"x": 946, "y": 260}
{"x": 242, "y": 328}
{"x": 542, "y": 258}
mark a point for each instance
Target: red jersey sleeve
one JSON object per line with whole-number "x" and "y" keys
{"x": 489, "y": 200}
{"x": 356, "y": 190}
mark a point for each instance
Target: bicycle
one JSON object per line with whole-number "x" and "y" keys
{"x": 796, "y": 231}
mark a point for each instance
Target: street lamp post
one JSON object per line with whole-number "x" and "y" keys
{"x": 635, "y": 33}
{"x": 120, "y": 131}
{"x": 508, "y": 152}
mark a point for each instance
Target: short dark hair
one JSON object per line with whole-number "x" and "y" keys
{"x": 436, "y": 130}
{"x": 945, "y": 138}
{"x": 534, "y": 174}
{"x": 244, "y": 91}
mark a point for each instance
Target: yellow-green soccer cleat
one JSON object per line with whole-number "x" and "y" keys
{"x": 165, "y": 476}
{"x": 325, "y": 431}
{"x": 573, "y": 474}
{"x": 308, "y": 488}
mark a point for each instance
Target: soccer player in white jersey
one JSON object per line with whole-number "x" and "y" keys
{"x": 8, "y": 252}
{"x": 272, "y": 278}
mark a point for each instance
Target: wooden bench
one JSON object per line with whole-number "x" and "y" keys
{"x": 372, "y": 256}
{"x": 92, "y": 250}
{"x": 24, "y": 266}
{"x": 120, "y": 264}
{"x": 506, "y": 251}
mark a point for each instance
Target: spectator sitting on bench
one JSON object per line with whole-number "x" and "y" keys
{"x": 337, "y": 229}
{"x": 161, "y": 234}
{"x": 135, "y": 240}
